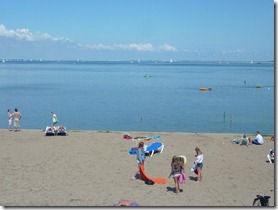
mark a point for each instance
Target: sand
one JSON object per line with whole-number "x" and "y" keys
{"x": 94, "y": 168}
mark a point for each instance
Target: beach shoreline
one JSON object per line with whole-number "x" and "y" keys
{"x": 94, "y": 168}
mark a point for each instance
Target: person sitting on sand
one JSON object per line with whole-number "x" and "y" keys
{"x": 259, "y": 140}
{"x": 62, "y": 128}
{"x": 271, "y": 155}
{"x": 244, "y": 140}
{"x": 51, "y": 129}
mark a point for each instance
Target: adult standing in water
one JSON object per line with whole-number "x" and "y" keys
{"x": 54, "y": 119}
{"x": 17, "y": 118}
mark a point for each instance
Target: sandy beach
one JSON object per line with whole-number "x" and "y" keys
{"x": 94, "y": 168}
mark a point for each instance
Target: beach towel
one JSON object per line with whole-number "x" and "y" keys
{"x": 127, "y": 136}
{"x": 145, "y": 177}
{"x": 182, "y": 178}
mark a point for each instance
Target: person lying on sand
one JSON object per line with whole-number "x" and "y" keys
{"x": 126, "y": 203}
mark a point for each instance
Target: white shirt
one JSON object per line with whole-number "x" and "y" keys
{"x": 199, "y": 158}
{"x": 260, "y": 138}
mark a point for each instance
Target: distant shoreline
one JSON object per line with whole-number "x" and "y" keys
{"x": 147, "y": 132}
{"x": 131, "y": 61}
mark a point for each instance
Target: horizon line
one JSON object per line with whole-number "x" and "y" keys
{"x": 4, "y": 60}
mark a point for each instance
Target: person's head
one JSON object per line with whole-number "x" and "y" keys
{"x": 52, "y": 112}
{"x": 181, "y": 160}
{"x": 15, "y": 110}
{"x": 244, "y": 135}
{"x": 174, "y": 158}
{"x": 176, "y": 165}
{"x": 198, "y": 151}
{"x": 257, "y": 132}
{"x": 141, "y": 144}
{"x": 8, "y": 110}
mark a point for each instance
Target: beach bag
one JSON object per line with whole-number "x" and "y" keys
{"x": 182, "y": 178}
{"x": 149, "y": 182}
{"x": 193, "y": 168}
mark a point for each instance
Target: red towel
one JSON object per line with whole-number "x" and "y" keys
{"x": 145, "y": 177}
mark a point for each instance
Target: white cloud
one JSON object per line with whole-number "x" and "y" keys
{"x": 166, "y": 47}
{"x": 137, "y": 47}
{"x": 26, "y": 35}
{"x": 134, "y": 47}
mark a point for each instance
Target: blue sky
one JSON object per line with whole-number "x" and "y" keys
{"x": 137, "y": 29}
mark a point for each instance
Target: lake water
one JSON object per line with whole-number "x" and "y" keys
{"x": 115, "y": 96}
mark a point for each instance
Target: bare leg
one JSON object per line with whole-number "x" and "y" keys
{"x": 138, "y": 172}
{"x": 199, "y": 174}
{"x": 177, "y": 185}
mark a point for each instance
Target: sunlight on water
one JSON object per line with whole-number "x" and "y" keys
{"x": 141, "y": 97}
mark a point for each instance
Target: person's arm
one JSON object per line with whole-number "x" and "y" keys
{"x": 170, "y": 172}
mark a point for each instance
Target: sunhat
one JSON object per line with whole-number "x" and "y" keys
{"x": 184, "y": 158}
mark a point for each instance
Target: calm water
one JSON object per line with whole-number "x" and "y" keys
{"x": 116, "y": 96}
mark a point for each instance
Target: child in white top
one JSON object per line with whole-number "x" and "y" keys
{"x": 199, "y": 163}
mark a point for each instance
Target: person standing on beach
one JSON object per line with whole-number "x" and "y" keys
{"x": 17, "y": 118}
{"x": 10, "y": 119}
{"x": 140, "y": 157}
{"x": 176, "y": 170}
{"x": 54, "y": 119}
{"x": 199, "y": 163}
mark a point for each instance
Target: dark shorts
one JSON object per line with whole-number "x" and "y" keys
{"x": 199, "y": 165}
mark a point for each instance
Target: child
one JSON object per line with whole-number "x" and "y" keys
{"x": 244, "y": 140}
{"x": 140, "y": 155}
{"x": 176, "y": 169}
{"x": 270, "y": 155}
{"x": 199, "y": 163}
